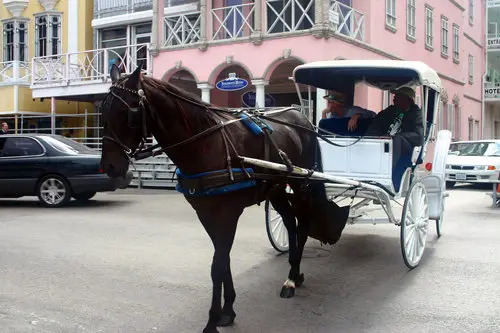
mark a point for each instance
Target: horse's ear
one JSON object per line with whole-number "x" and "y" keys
{"x": 134, "y": 79}
{"x": 115, "y": 73}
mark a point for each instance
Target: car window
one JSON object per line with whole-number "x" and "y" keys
{"x": 68, "y": 146}
{"x": 21, "y": 147}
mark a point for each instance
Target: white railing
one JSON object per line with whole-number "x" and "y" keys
{"x": 347, "y": 21}
{"x": 233, "y": 22}
{"x": 182, "y": 29}
{"x": 88, "y": 66}
{"x": 14, "y": 72}
{"x": 289, "y": 16}
{"x": 104, "y": 8}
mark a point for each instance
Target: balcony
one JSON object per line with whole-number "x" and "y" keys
{"x": 182, "y": 29}
{"x": 233, "y": 22}
{"x": 289, "y": 16}
{"x": 15, "y": 72}
{"x": 86, "y": 72}
{"x": 107, "y": 8}
{"x": 346, "y": 21}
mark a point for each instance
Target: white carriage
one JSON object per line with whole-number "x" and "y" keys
{"x": 366, "y": 163}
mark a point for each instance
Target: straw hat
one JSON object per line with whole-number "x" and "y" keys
{"x": 407, "y": 91}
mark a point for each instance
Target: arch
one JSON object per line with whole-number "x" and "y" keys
{"x": 172, "y": 71}
{"x": 184, "y": 79}
{"x": 212, "y": 78}
{"x": 277, "y": 62}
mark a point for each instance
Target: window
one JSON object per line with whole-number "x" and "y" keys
{"x": 476, "y": 130}
{"x": 455, "y": 43}
{"x": 471, "y": 69}
{"x": 471, "y": 129}
{"x": 21, "y": 147}
{"x": 471, "y": 12}
{"x": 390, "y": 13}
{"x": 47, "y": 34}
{"x": 429, "y": 26}
{"x": 444, "y": 36}
{"x": 410, "y": 19}
{"x": 15, "y": 37}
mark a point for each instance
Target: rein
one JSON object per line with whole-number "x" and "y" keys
{"x": 141, "y": 153}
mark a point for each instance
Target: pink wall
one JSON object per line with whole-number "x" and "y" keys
{"x": 260, "y": 60}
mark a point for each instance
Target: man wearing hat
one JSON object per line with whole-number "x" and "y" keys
{"x": 403, "y": 121}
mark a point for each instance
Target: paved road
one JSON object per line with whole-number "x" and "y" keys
{"x": 138, "y": 261}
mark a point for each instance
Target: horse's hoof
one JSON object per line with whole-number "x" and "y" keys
{"x": 209, "y": 330}
{"x": 300, "y": 280}
{"x": 226, "y": 320}
{"x": 287, "y": 292}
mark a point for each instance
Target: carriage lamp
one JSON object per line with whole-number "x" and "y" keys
{"x": 428, "y": 166}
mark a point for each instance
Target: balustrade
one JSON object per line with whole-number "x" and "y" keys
{"x": 347, "y": 21}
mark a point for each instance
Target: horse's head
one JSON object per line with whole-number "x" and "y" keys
{"x": 125, "y": 122}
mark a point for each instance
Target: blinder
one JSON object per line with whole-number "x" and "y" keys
{"x": 135, "y": 117}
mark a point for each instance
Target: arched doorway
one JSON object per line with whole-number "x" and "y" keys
{"x": 281, "y": 88}
{"x": 183, "y": 79}
{"x": 224, "y": 94}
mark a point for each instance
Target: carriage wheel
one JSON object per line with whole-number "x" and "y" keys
{"x": 414, "y": 224}
{"x": 276, "y": 230}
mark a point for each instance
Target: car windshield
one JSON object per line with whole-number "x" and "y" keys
{"x": 475, "y": 149}
{"x": 68, "y": 146}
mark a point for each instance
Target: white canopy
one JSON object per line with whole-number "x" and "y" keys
{"x": 383, "y": 74}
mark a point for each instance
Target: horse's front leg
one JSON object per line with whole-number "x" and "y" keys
{"x": 221, "y": 229}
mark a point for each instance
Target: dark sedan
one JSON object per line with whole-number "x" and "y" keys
{"x": 52, "y": 167}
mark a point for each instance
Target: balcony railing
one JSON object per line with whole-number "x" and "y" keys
{"x": 233, "y": 21}
{"x": 347, "y": 21}
{"x": 289, "y": 16}
{"x": 87, "y": 66}
{"x": 105, "y": 8}
{"x": 182, "y": 29}
{"x": 14, "y": 72}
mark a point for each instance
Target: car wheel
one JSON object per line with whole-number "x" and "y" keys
{"x": 84, "y": 196}
{"x": 53, "y": 191}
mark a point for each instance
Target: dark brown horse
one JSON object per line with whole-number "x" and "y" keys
{"x": 205, "y": 142}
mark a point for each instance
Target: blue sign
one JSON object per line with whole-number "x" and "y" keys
{"x": 249, "y": 98}
{"x": 232, "y": 83}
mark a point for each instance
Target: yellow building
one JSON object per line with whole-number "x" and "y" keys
{"x": 49, "y": 30}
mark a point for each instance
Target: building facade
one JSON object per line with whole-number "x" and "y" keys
{"x": 198, "y": 44}
{"x": 492, "y": 79}
{"x": 42, "y": 29}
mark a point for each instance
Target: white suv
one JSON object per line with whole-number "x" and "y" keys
{"x": 473, "y": 162}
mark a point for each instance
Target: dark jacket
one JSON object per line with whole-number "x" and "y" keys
{"x": 412, "y": 126}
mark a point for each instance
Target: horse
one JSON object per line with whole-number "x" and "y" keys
{"x": 206, "y": 144}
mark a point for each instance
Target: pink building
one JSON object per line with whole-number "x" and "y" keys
{"x": 196, "y": 44}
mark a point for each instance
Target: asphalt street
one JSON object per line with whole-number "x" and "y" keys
{"x": 139, "y": 261}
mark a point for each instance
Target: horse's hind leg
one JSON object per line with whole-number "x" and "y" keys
{"x": 280, "y": 203}
{"x": 221, "y": 228}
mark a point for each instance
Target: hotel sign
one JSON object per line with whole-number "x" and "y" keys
{"x": 493, "y": 43}
{"x": 492, "y": 91}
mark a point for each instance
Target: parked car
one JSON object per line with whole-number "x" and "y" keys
{"x": 473, "y": 162}
{"x": 52, "y": 167}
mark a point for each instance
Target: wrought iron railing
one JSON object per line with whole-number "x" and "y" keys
{"x": 347, "y": 21}
{"x": 14, "y": 72}
{"x": 89, "y": 65}
{"x": 233, "y": 22}
{"x": 289, "y": 16}
{"x": 105, "y": 8}
{"x": 182, "y": 29}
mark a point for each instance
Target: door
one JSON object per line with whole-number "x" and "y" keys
{"x": 22, "y": 162}
{"x": 141, "y": 35}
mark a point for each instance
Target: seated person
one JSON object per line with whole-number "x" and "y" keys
{"x": 338, "y": 118}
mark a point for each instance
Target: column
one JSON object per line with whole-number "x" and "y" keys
{"x": 205, "y": 91}
{"x": 53, "y": 115}
{"x": 204, "y": 20}
{"x": 256, "y": 36}
{"x": 153, "y": 50}
{"x": 318, "y": 30}
{"x": 260, "y": 93}
{"x": 320, "y": 103}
